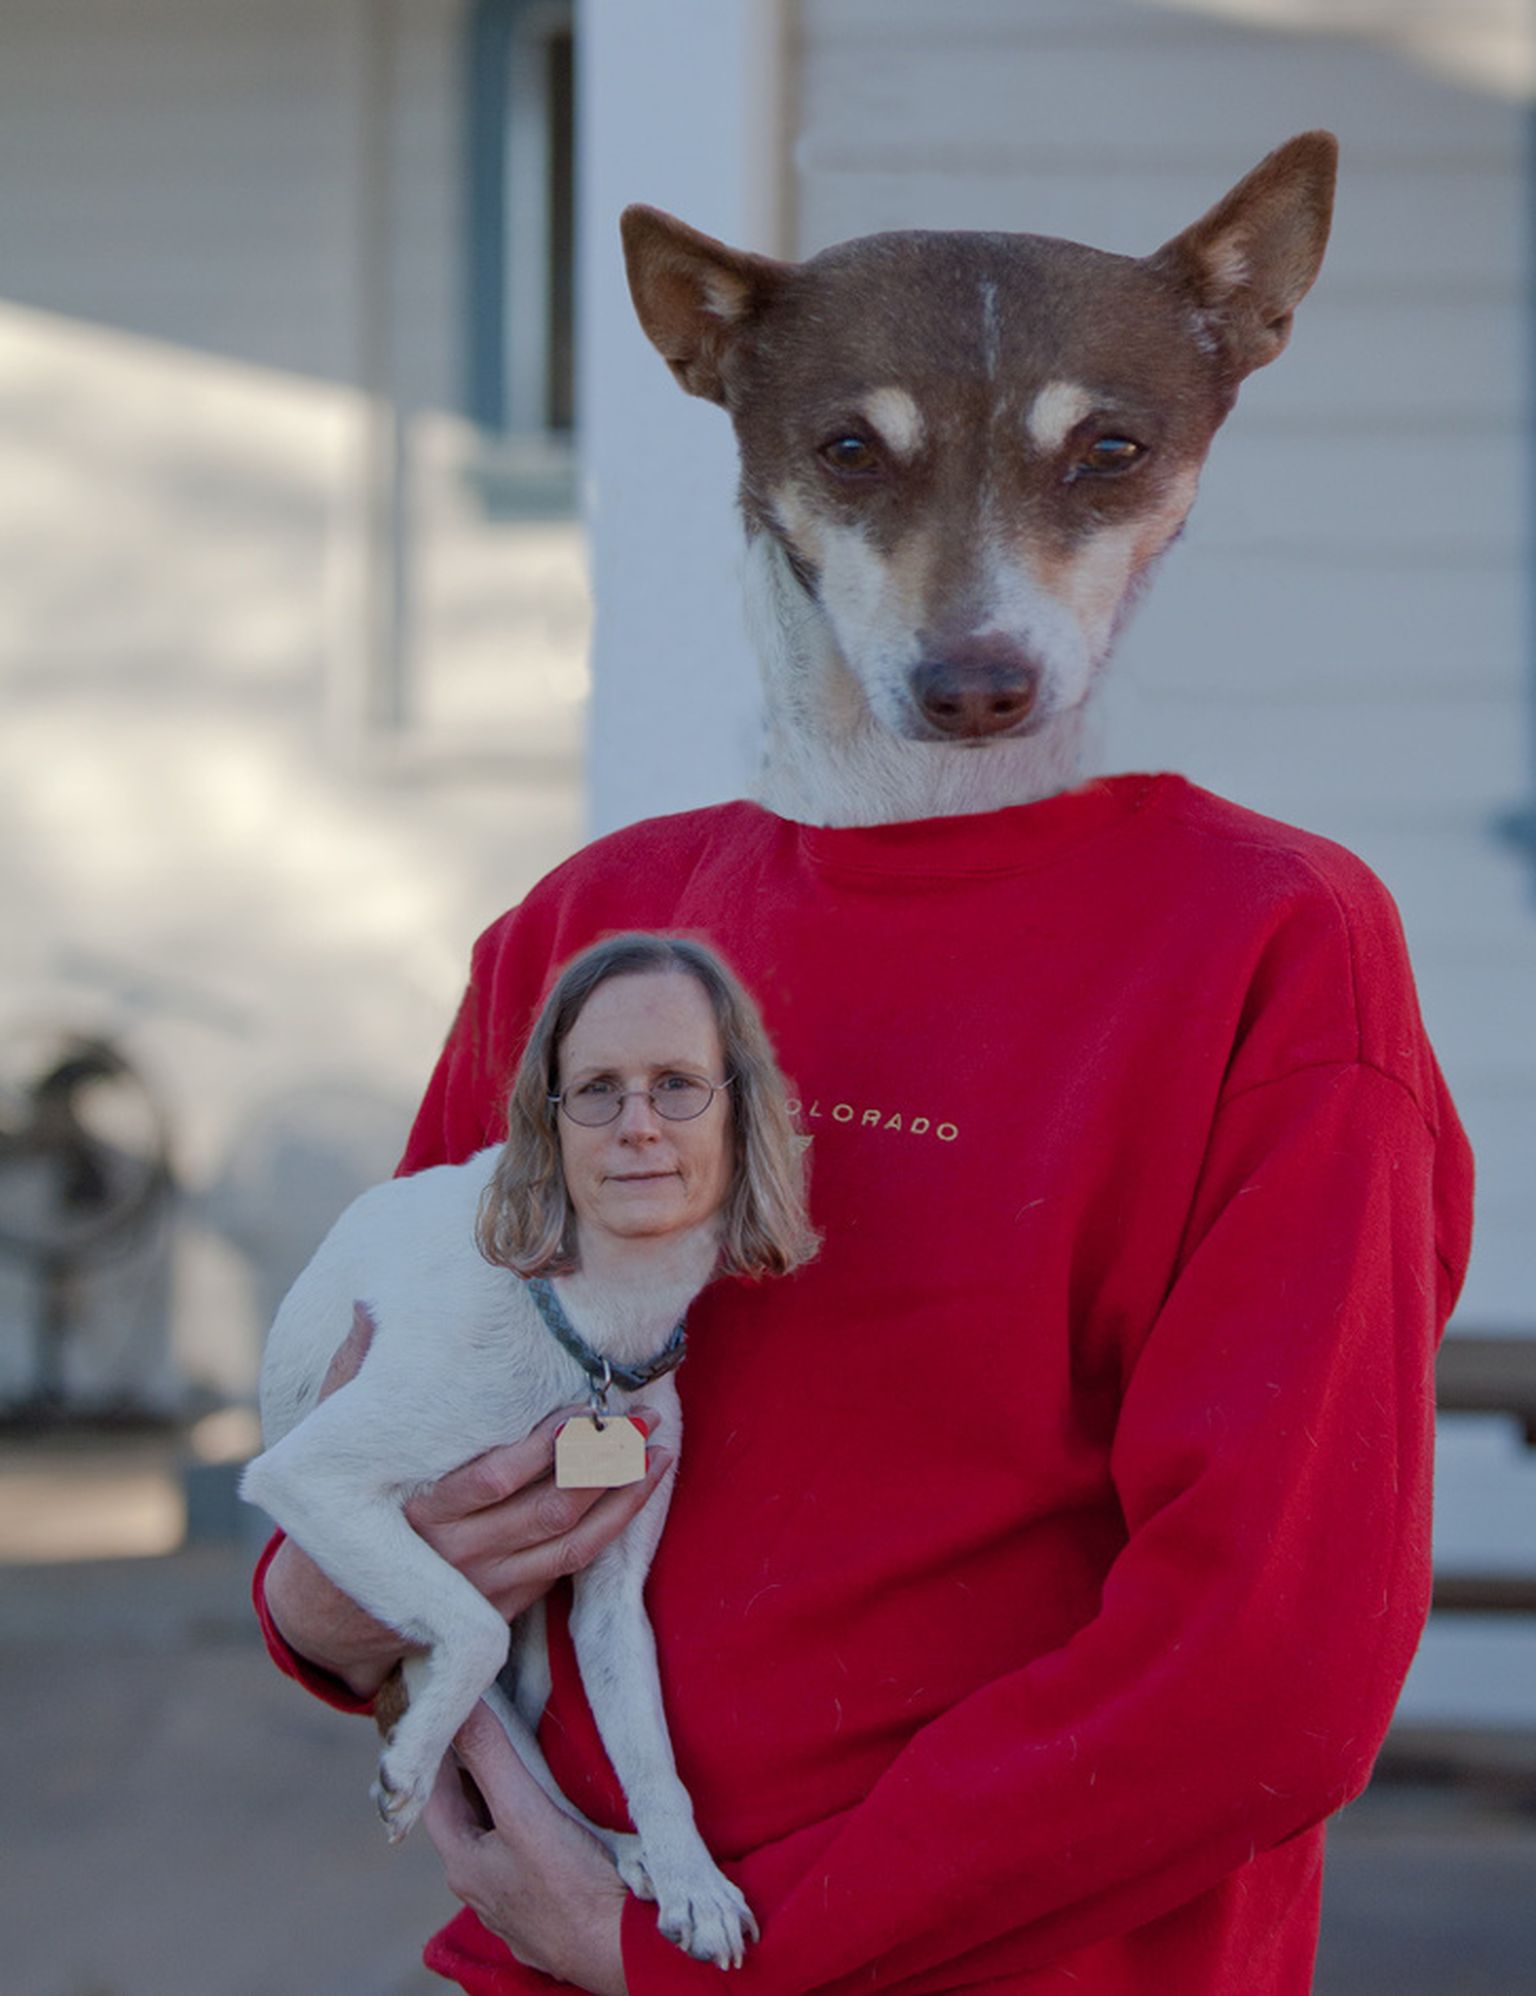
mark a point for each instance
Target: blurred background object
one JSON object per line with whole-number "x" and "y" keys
{"x": 323, "y": 417}
{"x": 85, "y": 1180}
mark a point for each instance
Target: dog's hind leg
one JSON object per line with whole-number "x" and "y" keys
{"x": 525, "y": 1679}
{"x": 698, "y": 1906}
{"x": 517, "y": 1700}
{"x": 359, "y": 1538}
{"x": 623, "y": 1846}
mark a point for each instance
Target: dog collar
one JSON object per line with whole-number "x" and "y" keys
{"x": 602, "y": 1372}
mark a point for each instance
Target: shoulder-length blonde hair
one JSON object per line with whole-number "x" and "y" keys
{"x": 526, "y": 1219}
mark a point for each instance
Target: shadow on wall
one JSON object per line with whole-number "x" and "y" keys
{"x": 169, "y": 1323}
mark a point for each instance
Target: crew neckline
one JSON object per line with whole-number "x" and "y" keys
{"x": 1015, "y": 839}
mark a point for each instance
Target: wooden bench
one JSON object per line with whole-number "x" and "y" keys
{"x": 1478, "y": 1374}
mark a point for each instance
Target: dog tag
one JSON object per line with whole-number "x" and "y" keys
{"x": 589, "y": 1457}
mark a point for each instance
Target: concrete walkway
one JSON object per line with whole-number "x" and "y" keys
{"x": 179, "y": 1821}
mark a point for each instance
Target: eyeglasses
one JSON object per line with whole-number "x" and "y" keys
{"x": 676, "y": 1098}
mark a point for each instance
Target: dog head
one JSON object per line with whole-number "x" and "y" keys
{"x": 971, "y": 447}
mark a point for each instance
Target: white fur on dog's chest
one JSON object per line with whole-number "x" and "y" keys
{"x": 460, "y": 1359}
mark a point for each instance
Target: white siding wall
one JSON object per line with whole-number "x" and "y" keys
{"x": 187, "y": 170}
{"x": 178, "y": 168}
{"x": 1342, "y": 639}
{"x": 278, "y": 936}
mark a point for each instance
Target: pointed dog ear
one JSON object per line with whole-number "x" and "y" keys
{"x": 1249, "y": 263}
{"x": 693, "y": 295}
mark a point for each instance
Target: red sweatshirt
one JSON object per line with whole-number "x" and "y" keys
{"x": 1046, "y": 1557}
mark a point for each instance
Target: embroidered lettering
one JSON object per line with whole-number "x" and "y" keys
{"x": 872, "y": 1119}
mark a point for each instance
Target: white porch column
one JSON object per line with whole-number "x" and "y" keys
{"x": 682, "y": 107}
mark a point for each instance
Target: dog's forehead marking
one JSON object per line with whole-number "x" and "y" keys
{"x": 895, "y": 414}
{"x": 991, "y": 329}
{"x": 1056, "y": 412}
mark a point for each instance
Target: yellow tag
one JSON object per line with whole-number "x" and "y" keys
{"x": 593, "y": 1457}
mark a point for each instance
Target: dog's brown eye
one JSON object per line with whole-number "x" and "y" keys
{"x": 852, "y": 454}
{"x": 1110, "y": 454}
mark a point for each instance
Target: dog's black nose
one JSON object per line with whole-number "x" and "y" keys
{"x": 968, "y": 702}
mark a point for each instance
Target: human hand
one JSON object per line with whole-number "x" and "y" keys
{"x": 534, "y": 1877}
{"x": 499, "y": 1519}
{"x": 506, "y": 1527}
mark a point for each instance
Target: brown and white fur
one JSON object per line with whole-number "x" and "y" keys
{"x": 961, "y": 457}
{"x": 461, "y": 1361}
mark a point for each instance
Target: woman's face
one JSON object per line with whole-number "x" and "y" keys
{"x": 640, "y": 1176}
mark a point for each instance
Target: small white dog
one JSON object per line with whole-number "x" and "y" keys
{"x": 469, "y": 1352}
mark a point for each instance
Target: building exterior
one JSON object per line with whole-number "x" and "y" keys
{"x": 294, "y": 543}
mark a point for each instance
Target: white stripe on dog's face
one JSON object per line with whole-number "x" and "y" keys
{"x": 896, "y": 419}
{"x": 1030, "y": 616}
{"x": 1066, "y": 612}
{"x": 1055, "y": 413}
{"x": 875, "y": 605}
{"x": 1058, "y": 611}
{"x": 873, "y": 601}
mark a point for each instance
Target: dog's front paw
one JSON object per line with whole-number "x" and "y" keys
{"x": 399, "y": 1795}
{"x": 707, "y": 1918}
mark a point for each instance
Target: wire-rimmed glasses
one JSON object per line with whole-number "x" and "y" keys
{"x": 676, "y": 1098}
